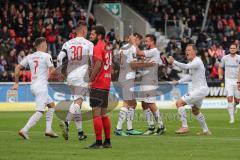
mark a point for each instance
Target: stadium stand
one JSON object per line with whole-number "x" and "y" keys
{"x": 21, "y": 22}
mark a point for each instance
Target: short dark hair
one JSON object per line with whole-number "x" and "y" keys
{"x": 152, "y": 37}
{"x": 100, "y": 30}
{"x": 193, "y": 46}
{"x": 137, "y": 35}
{"x": 39, "y": 41}
{"x": 233, "y": 44}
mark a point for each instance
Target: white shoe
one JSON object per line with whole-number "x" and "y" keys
{"x": 182, "y": 130}
{"x": 24, "y": 135}
{"x": 149, "y": 131}
{"x": 51, "y": 134}
{"x": 206, "y": 133}
{"x": 231, "y": 121}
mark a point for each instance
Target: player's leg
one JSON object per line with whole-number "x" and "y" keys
{"x": 121, "y": 119}
{"x": 130, "y": 116}
{"x": 41, "y": 99}
{"x": 78, "y": 118}
{"x": 156, "y": 114}
{"x": 236, "y": 98}
{"x": 74, "y": 113}
{"x": 106, "y": 120}
{"x": 231, "y": 108}
{"x": 149, "y": 119}
{"x": 96, "y": 99}
{"x": 183, "y": 116}
{"x": 236, "y": 102}
{"x": 230, "y": 93}
{"x": 49, "y": 118}
{"x": 201, "y": 119}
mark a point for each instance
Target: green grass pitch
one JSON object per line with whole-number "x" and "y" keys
{"x": 222, "y": 145}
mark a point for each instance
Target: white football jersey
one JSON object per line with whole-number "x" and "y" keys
{"x": 231, "y": 66}
{"x": 79, "y": 51}
{"x": 151, "y": 72}
{"x": 196, "y": 73}
{"x": 39, "y": 62}
{"x": 127, "y": 55}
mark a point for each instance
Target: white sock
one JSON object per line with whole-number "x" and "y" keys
{"x": 69, "y": 117}
{"x": 231, "y": 110}
{"x": 149, "y": 118}
{"x": 130, "y": 117}
{"x": 78, "y": 122}
{"x": 202, "y": 122}
{"x": 158, "y": 118}
{"x": 32, "y": 121}
{"x": 122, "y": 117}
{"x": 77, "y": 117}
{"x": 183, "y": 116}
{"x": 49, "y": 119}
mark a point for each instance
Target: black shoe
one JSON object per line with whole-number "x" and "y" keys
{"x": 161, "y": 130}
{"x": 107, "y": 145}
{"x": 65, "y": 129}
{"x": 149, "y": 131}
{"x": 94, "y": 146}
{"x": 81, "y": 136}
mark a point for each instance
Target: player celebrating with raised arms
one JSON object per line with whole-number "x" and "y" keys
{"x": 230, "y": 63}
{"x": 198, "y": 92}
{"x": 41, "y": 65}
{"x": 79, "y": 51}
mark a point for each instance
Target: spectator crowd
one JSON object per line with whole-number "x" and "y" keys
{"x": 22, "y": 21}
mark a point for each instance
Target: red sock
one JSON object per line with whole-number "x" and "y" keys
{"x": 98, "y": 126}
{"x": 106, "y": 126}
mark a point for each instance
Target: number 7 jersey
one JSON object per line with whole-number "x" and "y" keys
{"x": 39, "y": 62}
{"x": 79, "y": 52}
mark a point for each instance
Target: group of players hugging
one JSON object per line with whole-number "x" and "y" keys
{"x": 89, "y": 73}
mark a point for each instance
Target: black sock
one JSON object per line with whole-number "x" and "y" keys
{"x": 107, "y": 141}
{"x": 99, "y": 142}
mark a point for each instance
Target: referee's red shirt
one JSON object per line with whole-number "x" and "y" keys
{"x": 103, "y": 78}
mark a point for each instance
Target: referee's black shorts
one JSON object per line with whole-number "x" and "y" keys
{"x": 99, "y": 97}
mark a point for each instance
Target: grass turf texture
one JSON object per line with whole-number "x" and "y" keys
{"x": 223, "y": 144}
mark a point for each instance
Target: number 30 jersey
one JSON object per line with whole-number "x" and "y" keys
{"x": 39, "y": 62}
{"x": 79, "y": 52}
{"x": 103, "y": 52}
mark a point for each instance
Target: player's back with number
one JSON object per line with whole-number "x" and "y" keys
{"x": 79, "y": 51}
{"x": 39, "y": 63}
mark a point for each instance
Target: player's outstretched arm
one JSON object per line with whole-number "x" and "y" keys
{"x": 192, "y": 65}
{"x": 141, "y": 64}
{"x": 17, "y": 71}
{"x": 186, "y": 78}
